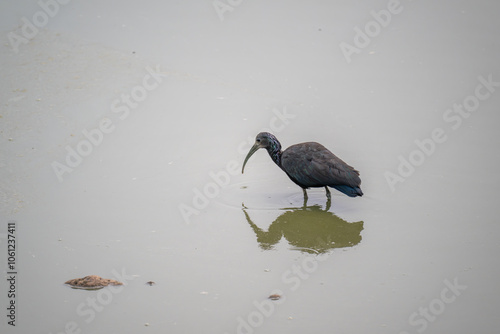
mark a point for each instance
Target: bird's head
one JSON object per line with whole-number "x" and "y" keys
{"x": 263, "y": 140}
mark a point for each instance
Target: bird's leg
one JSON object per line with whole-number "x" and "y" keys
{"x": 305, "y": 197}
{"x": 328, "y": 199}
{"x": 328, "y": 194}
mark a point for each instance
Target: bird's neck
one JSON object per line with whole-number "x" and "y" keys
{"x": 274, "y": 151}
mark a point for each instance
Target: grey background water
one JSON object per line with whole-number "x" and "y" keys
{"x": 160, "y": 197}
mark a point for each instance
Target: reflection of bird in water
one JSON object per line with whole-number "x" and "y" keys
{"x": 308, "y": 229}
{"x": 310, "y": 165}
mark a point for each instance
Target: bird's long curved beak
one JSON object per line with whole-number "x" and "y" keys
{"x": 254, "y": 149}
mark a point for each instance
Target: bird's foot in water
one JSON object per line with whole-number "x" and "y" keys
{"x": 305, "y": 197}
{"x": 328, "y": 194}
{"x": 328, "y": 199}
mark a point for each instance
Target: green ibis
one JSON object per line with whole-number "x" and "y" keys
{"x": 310, "y": 165}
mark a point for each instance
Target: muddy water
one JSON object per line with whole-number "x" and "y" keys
{"x": 124, "y": 130}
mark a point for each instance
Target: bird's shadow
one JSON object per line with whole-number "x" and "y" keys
{"x": 308, "y": 229}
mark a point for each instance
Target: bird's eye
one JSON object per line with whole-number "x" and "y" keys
{"x": 257, "y": 140}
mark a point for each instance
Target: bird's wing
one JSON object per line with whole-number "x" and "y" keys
{"x": 313, "y": 165}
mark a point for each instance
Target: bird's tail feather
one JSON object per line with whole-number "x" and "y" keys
{"x": 349, "y": 191}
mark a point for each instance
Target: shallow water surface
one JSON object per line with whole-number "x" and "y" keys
{"x": 123, "y": 133}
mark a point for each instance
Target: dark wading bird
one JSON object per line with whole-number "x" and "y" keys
{"x": 310, "y": 165}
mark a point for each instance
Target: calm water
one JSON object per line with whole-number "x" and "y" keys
{"x": 124, "y": 128}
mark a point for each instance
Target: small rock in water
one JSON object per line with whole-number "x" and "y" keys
{"x": 274, "y": 297}
{"x": 91, "y": 282}
{"x": 151, "y": 283}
